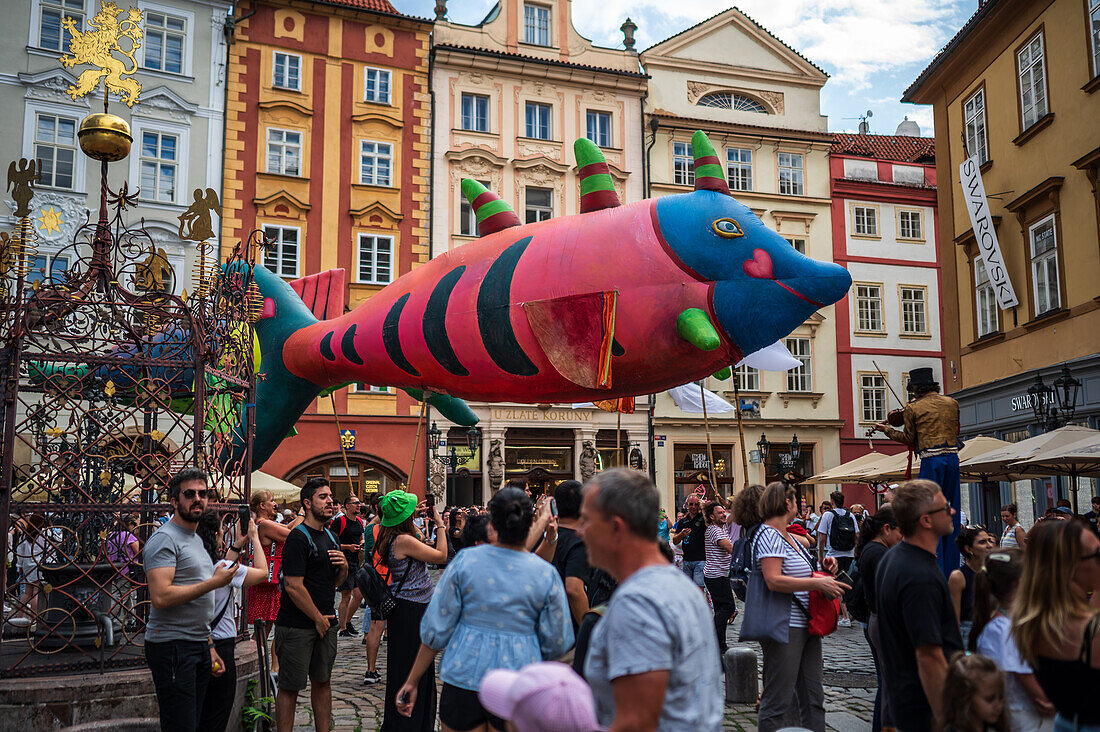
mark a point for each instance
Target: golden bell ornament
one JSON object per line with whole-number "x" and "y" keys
{"x": 105, "y": 137}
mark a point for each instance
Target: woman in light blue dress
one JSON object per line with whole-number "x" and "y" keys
{"x": 495, "y": 606}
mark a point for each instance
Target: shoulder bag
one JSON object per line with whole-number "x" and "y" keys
{"x": 767, "y": 613}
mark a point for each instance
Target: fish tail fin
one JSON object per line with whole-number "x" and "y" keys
{"x": 281, "y": 396}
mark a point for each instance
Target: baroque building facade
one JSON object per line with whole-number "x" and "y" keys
{"x": 759, "y": 102}
{"x": 327, "y": 155}
{"x": 511, "y": 95}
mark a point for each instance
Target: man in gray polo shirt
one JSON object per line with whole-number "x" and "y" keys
{"x": 653, "y": 659}
{"x": 181, "y": 583}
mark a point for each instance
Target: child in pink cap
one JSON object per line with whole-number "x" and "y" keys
{"x": 540, "y": 697}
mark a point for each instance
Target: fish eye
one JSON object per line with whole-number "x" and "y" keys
{"x": 727, "y": 228}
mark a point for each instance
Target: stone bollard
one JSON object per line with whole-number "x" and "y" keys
{"x": 740, "y": 666}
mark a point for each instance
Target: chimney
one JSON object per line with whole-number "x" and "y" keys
{"x": 628, "y": 27}
{"x": 440, "y": 10}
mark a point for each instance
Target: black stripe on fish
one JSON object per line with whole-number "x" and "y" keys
{"x": 616, "y": 349}
{"x": 494, "y": 301}
{"x": 326, "y": 346}
{"x": 391, "y": 337}
{"x": 347, "y": 346}
{"x": 435, "y": 323}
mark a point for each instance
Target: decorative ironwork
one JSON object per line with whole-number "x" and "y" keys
{"x": 111, "y": 379}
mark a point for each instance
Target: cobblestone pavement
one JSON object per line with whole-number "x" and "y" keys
{"x": 848, "y": 671}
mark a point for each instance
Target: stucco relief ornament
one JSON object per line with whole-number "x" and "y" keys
{"x": 696, "y": 89}
{"x": 589, "y": 458}
{"x": 496, "y": 464}
{"x": 437, "y": 480}
{"x": 98, "y": 48}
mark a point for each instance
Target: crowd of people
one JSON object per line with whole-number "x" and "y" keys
{"x": 577, "y": 596}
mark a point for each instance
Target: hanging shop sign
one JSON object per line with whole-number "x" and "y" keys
{"x": 977, "y": 206}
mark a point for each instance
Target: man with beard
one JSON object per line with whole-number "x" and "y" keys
{"x": 181, "y": 580}
{"x": 305, "y": 629}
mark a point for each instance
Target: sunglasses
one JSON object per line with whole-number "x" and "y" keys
{"x": 946, "y": 509}
{"x": 191, "y": 493}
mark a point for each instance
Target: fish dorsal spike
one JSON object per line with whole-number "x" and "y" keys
{"x": 710, "y": 175}
{"x": 597, "y": 188}
{"x": 492, "y": 212}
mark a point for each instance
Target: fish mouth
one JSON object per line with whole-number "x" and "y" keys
{"x": 798, "y": 294}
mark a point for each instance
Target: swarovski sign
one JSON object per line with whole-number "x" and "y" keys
{"x": 978, "y": 208}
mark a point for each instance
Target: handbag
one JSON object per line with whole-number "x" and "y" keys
{"x": 376, "y": 591}
{"x": 767, "y": 613}
{"x": 823, "y": 613}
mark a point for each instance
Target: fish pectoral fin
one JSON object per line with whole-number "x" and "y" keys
{"x": 694, "y": 326}
{"x": 723, "y": 374}
{"x": 576, "y": 333}
{"x": 452, "y": 408}
{"x": 322, "y": 293}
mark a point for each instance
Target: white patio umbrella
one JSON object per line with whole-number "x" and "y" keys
{"x": 1080, "y": 459}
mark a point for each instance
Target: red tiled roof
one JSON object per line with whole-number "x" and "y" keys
{"x": 885, "y": 147}
{"x": 536, "y": 59}
{"x": 378, "y": 6}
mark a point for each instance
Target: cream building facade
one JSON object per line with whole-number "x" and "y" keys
{"x": 762, "y": 112}
{"x": 511, "y": 94}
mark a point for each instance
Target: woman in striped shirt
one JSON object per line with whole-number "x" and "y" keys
{"x": 792, "y": 670}
{"x": 716, "y": 570}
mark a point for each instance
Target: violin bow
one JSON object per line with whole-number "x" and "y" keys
{"x": 900, "y": 402}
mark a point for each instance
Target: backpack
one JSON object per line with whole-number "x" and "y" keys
{"x": 856, "y": 599}
{"x": 842, "y": 534}
{"x": 741, "y": 562}
{"x": 600, "y": 585}
{"x": 375, "y": 587}
{"x": 313, "y": 551}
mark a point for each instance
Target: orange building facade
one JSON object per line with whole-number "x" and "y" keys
{"x": 327, "y": 153}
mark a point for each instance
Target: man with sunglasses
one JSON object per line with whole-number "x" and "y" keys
{"x": 181, "y": 580}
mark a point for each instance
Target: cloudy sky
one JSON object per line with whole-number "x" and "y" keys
{"x": 872, "y": 49}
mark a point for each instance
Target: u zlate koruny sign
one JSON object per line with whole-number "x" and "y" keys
{"x": 982, "y": 220}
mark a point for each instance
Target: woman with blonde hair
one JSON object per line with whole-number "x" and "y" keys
{"x": 1055, "y": 626}
{"x": 263, "y": 599}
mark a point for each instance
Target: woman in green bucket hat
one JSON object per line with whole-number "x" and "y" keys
{"x": 401, "y": 549}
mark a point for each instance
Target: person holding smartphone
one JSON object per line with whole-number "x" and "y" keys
{"x": 305, "y": 630}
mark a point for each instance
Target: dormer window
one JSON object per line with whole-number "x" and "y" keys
{"x": 536, "y": 24}
{"x": 729, "y": 100}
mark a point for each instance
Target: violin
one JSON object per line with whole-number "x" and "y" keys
{"x": 895, "y": 418}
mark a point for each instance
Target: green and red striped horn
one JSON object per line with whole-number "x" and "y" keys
{"x": 597, "y": 189}
{"x": 710, "y": 175}
{"x": 492, "y": 212}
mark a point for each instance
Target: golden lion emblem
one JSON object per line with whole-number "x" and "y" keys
{"x": 97, "y": 47}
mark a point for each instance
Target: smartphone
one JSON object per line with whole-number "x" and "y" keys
{"x": 245, "y": 515}
{"x": 403, "y": 698}
{"x": 845, "y": 578}
{"x": 553, "y": 507}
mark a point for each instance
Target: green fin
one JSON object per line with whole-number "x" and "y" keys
{"x": 723, "y": 374}
{"x": 694, "y": 326}
{"x": 453, "y": 409}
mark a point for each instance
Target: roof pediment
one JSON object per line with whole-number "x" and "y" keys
{"x": 161, "y": 100}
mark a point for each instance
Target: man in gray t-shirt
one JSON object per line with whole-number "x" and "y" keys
{"x": 181, "y": 579}
{"x": 654, "y": 645}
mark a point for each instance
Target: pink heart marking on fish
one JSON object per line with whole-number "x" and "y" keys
{"x": 760, "y": 266}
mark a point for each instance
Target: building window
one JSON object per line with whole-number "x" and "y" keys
{"x": 599, "y": 128}
{"x": 287, "y": 71}
{"x": 281, "y": 250}
{"x": 1033, "y": 85}
{"x": 865, "y": 220}
{"x": 791, "y": 181}
{"x": 974, "y": 121}
{"x": 872, "y": 398}
{"x": 1094, "y": 35}
{"x": 536, "y": 25}
{"x": 1044, "y": 266}
{"x": 798, "y": 244}
{"x": 375, "y": 163}
{"x": 47, "y": 268}
{"x": 55, "y": 149}
{"x": 538, "y": 120}
{"x": 729, "y": 100}
{"x": 376, "y": 85}
{"x": 539, "y": 205}
{"x": 375, "y": 259}
{"x": 284, "y": 151}
{"x": 475, "y": 112}
{"x": 159, "y": 165}
{"x": 869, "y": 308}
{"x": 165, "y": 36}
{"x": 467, "y": 217}
{"x": 748, "y": 378}
{"x": 800, "y": 378}
{"x": 739, "y": 168}
{"x": 360, "y": 388}
{"x": 51, "y": 34}
{"x": 683, "y": 164}
{"x": 914, "y": 310}
{"x": 910, "y": 225}
{"x": 985, "y": 301}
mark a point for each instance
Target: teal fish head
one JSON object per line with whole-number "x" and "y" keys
{"x": 764, "y": 288}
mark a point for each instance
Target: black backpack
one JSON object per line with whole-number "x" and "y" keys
{"x": 856, "y": 599}
{"x": 376, "y": 590}
{"x": 842, "y": 532}
{"x": 741, "y": 562}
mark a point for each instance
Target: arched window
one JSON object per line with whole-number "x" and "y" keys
{"x": 729, "y": 100}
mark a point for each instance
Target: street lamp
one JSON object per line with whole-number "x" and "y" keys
{"x": 762, "y": 445}
{"x": 434, "y": 435}
{"x": 1039, "y": 393}
{"x": 1065, "y": 391}
{"x": 796, "y": 448}
{"x": 473, "y": 438}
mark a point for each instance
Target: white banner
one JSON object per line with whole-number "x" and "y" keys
{"x": 982, "y": 221}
